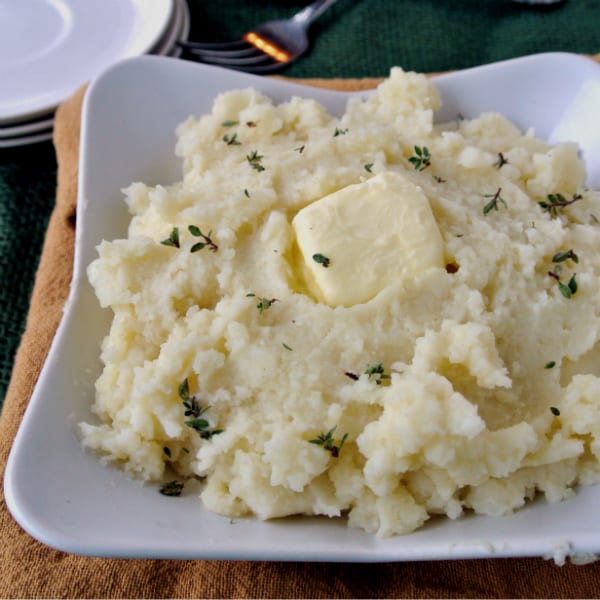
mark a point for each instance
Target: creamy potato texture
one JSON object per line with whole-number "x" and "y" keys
{"x": 281, "y": 363}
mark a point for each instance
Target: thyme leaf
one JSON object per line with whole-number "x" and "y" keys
{"x": 231, "y": 140}
{"x": 493, "y": 203}
{"x": 207, "y": 241}
{"x": 321, "y": 259}
{"x": 254, "y": 159}
{"x": 556, "y": 201}
{"x": 501, "y": 161}
{"x": 172, "y": 488}
{"x": 229, "y": 123}
{"x": 550, "y": 365}
{"x": 566, "y": 255}
{"x": 263, "y": 303}
{"x": 377, "y": 371}
{"x": 421, "y": 159}
{"x": 194, "y": 409}
{"x": 339, "y": 132}
{"x": 555, "y": 411}
{"x": 173, "y": 239}
{"x": 329, "y": 443}
{"x": 368, "y": 167}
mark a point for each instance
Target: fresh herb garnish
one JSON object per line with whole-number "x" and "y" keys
{"x": 421, "y": 158}
{"x": 231, "y": 140}
{"x": 254, "y": 158}
{"x": 555, "y": 411}
{"x": 351, "y": 375}
{"x": 377, "y": 371}
{"x": 368, "y": 167}
{"x": 172, "y": 488}
{"x": 339, "y": 132}
{"x": 550, "y": 365}
{"x": 556, "y": 201}
{"x": 438, "y": 179}
{"x": 493, "y": 203}
{"x": 263, "y": 303}
{"x": 229, "y": 123}
{"x": 173, "y": 239}
{"x": 321, "y": 259}
{"x": 299, "y": 149}
{"x": 195, "y": 231}
{"x": 568, "y": 289}
{"x": 566, "y": 255}
{"x": 167, "y": 451}
{"x": 326, "y": 440}
{"x": 286, "y": 346}
{"x": 501, "y": 161}
{"x": 246, "y": 193}
{"x": 194, "y": 409}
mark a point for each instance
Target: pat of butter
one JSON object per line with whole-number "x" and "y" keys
{"x": 358, "y": 240}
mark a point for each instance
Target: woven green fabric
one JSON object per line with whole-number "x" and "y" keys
{"x": 27, "y": 189}
{"x": 354, "y": 38}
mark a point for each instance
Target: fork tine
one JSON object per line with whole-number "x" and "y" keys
{"x": 247, "y": 52}
{"x": 214, "y": 46}
{"x": 233, "y": 61}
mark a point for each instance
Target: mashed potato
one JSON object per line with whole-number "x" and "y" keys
{"x": 467, "y": 385}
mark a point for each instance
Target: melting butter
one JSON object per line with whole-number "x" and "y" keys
{"x": 360, "y": 239}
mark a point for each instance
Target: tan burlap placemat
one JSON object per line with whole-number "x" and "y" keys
{"x": 30, "y": 569}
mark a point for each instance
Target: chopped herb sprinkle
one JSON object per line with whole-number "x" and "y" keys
{"x": 231, "y": 140}
{"x": 568, "y": 289}
{"x": 195, "y": 410}
{"x": 172, "y": 488}
{"x": 493, "y": 203}
{"x": 173, "y": 239}
{"x": 566, "y": 255}
{"x": 377, "y": 371}
{"x": 555, "y": 201}
{"x": 207, "y": 241}
{"x": 254, "y": 159}
{"x": 321, "y": 259}
{"x": 326, "y": 440}
{"x": 501, "y": 161}
{"x": 263, "y": 303}
{"x": 421, "y": 159}
{"x": 555, "y": 411}
{"x": 550, "y": 365}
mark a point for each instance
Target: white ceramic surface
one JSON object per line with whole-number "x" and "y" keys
{"x": 67, "y": 499}
{"x": 27, "y": 127}
{"x": 48, "y": 48}
{"x": 26, "y": 140}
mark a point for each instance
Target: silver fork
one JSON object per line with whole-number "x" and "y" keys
{"x": 264, "y": 49}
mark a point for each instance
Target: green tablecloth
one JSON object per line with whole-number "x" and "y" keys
{"x": 355, "y": 38}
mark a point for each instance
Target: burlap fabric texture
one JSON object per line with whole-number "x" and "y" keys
{"x": 31, "y": 569}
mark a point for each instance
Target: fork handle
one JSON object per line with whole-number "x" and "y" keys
{"x": 313, "y": 11}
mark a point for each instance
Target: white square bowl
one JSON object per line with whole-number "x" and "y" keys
{"x": 65, "y": 498}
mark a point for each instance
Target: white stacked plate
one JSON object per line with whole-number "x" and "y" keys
{"x": 50, "y": 48}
